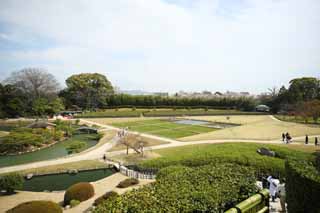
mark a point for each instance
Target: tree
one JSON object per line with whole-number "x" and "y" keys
{"x": 13, "y": 101}
{"x": 312, "y": 109}
{"x": 133, "y": 141}
{"x": 36, "y": 82}
{"x": 303, "y": 89}
{"x": 11, "y": 182}
{"x": 87, "y": 90}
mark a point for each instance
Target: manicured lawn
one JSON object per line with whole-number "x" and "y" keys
{"x": 165, "y": 128}
{"x": 240, "y": 153}
{"x": 173, "y": 133}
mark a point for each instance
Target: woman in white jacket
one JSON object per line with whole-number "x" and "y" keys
{"x": 273, "y": 188}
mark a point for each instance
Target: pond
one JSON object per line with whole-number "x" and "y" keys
{"x": 58, "y": 182}
{"x": 217, "y": 125}
{"x": 55, "y": 151}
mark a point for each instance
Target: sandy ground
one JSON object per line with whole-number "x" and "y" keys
{"x": 101, "y": 187}
{"x": 256, "y": 128}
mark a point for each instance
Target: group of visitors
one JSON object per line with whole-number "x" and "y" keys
{"x": 286, "y": 137}
{"x": 307, "y": 140}
{"x": 277, "y": 189}
{"x": 122, "y": 132}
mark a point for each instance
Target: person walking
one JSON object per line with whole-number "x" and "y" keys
{"x": 287, "y": 137}
{"x": 316, "y": 141}
{"x": 306, "y": 140}
{"x": 273, "y": 186}
{"x": 282, "y": 195}
{"x": 104, "y": 157}
{"x": 283, "y": 137}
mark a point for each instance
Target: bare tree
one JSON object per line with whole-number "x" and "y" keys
{"x": 133, "y": 141}
{"x": 35, "y": 81}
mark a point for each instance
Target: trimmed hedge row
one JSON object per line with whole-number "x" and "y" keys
{"x": 81, "y": 191}
{"x": 302, "y": 186}
{"x": 38, "y": 206}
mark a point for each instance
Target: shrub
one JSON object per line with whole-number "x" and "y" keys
{"x": 39, "y": 206}
{"x": 302, "y": 186}
{"x": 133, "y": 109}
{"x": 210, "y": 188}
{"x": 74, "y": 203}
{"x": 81, "y": 191}
{"x": 75, "y": 146}
{"x": 105, "y": 197}
{"x": 11, "y": 182}
{"x": 128, "y": 182}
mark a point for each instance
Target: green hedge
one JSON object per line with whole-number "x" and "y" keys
{"x": 38, "y": 206}
{"x": 302, "y": 186}
{"x": 128, "y": 182}
{"x": 105, "y": 197}
{"x": 210, "y": 188}
{"x": 81, "y": 191}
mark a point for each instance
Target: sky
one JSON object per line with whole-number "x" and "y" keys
{"x": 165, "y": 45}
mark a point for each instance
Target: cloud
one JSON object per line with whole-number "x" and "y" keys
{"x": 171, "y": 45}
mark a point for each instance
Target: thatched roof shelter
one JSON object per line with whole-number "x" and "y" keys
{"x": 41, "y": 124}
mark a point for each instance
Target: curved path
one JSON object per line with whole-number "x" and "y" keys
{"x": 98, "y": 152}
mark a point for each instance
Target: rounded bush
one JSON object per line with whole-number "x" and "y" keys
{"x": 81, "y": 191}
{"x": 128, "y": 182}
{"x": 38, "y": 206}
{"x": 105, "y": 197}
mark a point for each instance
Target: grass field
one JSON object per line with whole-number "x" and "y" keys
{"x": 254, "y": 127}
{"x": 164, "y": 128}
{"x": 242, "y": 153}
{"x": 127, "y": 112}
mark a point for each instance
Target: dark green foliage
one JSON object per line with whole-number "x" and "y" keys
{"x": 38, "y": 206}
{"x": 105, "y": 197}
{"x": 87, "y": 90}
{"x": 128, "y": 182}
{"x": 302, "y": 186}
{"x": 11, "y": 182}
{"x": 210, "y": 188}
{"x": 81, "y": 191}
{"x": 124, "y": 100}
